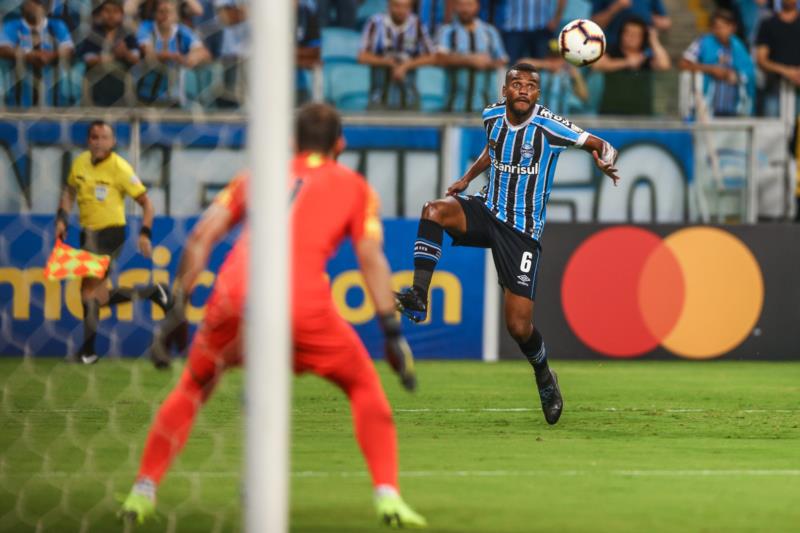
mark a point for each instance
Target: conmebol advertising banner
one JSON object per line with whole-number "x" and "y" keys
{"x": 43, "y": 318}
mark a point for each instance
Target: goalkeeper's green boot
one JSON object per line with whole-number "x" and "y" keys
{"x": 137, "y": 507}
{"x": 394, "y": 512}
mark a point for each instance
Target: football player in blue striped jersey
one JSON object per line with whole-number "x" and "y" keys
{"x": 523, "y": 142}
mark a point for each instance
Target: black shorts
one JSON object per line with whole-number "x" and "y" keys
{"x": 516, "y": 255}
{"x": 106, "y": 241}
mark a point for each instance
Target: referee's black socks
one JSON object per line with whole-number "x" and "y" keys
{"x": 536, "y": 353}
{"x": 122, "y": 295}
{"x": 427, "y": 252}
{"x": 91, "y": 317}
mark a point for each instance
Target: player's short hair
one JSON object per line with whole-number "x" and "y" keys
{"x": 724, "y": 15}
{"x": 521, "y": 67}
{"x": 317, "y": 128}
{"x": 95, "y": 123}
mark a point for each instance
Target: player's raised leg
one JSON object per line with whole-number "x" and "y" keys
{"x": 437, "y": 216}
{"x": 519, "y": 321}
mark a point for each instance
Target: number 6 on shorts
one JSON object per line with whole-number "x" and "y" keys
{"x": 525, "y": 264}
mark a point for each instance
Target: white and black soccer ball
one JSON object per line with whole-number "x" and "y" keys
{"x": 581, "y": 42}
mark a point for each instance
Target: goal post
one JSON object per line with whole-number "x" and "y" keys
{"x": 268, "y": 369}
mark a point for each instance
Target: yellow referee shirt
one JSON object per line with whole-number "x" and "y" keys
{"x": 101, "y": 190}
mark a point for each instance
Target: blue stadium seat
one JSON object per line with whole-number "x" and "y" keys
{"x": 340, "y": 45}
{"x": 348, "y": 86}
{"x": 431, "y": 85}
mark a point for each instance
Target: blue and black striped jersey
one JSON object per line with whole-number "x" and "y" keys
{"x": 523, "y": 164}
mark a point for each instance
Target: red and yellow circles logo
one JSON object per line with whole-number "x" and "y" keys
{"x": 697, "y": 293}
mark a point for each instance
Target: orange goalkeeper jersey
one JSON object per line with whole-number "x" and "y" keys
{"x": 329, "y": 203}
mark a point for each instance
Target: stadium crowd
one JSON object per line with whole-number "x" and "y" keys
{"x": 433, "y": 55}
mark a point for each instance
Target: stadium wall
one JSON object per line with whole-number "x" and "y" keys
{"x": 185, "y": 162}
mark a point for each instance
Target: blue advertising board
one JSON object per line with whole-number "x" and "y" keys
{"x": 42, "y": 318}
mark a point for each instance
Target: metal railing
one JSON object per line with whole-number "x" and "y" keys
{"x": 220, "y": 84}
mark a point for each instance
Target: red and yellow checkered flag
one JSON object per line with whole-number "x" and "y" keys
{"x": 67, "y": 262}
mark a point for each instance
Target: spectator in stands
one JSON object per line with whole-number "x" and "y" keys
{"x": 307, "y": 50}
{"x": 729, "y": 73}
{"x": 611, "y": 14}
{"x": 637, "y": 50}
{"x": 146, "y": 10}
{"x": 473, "y": 50}
{"x": 235, "y": 28}
{"x": 109, "y": 51}
{"x": 208, "y": 28}
{"x": 434, "y": 13}
{"x": 529, "y": 26}
{"x": 38, "y": 43}
{"x": 167, "y": 46}
{"x": 778, "y": 54}
{"x": 235, "y": 46}
{"x": 68, "y": 13}
{"x": 493, "y": 12}
{"x": 395, "y": 44}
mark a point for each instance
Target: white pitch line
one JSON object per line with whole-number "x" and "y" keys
{"x": 71, "y": 410}
{"x": 313, "y": 474}
{"x": 606, "y": 409}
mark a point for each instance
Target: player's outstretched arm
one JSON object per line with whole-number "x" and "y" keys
{"x": 605, "y": 156}
{"x": 210, "y": 229}
{"x": 476, "y": 169}
{"x": 377, "y": 277}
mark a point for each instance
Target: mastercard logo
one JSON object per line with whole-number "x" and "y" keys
{"x": 697, "y": 293}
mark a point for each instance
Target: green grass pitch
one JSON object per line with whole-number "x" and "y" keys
{"x": 642, "y": 446}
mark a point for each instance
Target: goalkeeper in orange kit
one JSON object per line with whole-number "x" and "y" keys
{"x": 329, "y": 204}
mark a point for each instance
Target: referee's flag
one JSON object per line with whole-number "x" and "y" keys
{"x": 67, "y": 262}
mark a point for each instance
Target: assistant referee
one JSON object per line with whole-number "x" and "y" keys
{"x": 100, "y": 179}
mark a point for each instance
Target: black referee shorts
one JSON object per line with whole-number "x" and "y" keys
{"x": 106, "y": 241}
{"x": 516, "y": 255}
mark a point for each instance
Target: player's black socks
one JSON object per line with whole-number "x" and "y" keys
{"x": 536, "y": 353}
{"x": 91, "y": 317}
{"x": 122, "y": 294}
{"x": 119, "y": 296}
{"x": 427, "y": 251}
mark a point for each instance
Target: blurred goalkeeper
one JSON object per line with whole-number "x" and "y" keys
{"x": 99, "y": 180}
{"x": 329, "y": 203}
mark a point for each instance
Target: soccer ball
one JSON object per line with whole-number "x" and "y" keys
{"x": 581, "y": 42}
